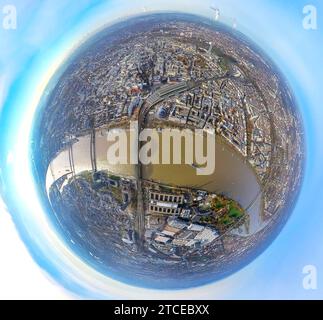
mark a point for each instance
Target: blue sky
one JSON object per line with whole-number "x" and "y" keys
{"x": 48, "y": 30}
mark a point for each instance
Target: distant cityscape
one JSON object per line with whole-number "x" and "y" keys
{"x": 170, "y": 71}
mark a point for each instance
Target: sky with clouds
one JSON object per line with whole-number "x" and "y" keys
{"x": 47, "y": 31}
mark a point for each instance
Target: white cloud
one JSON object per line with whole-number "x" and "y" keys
{"x": 20, "y": 277}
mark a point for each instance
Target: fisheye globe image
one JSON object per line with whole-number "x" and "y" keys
{"x": 168, "y": 151}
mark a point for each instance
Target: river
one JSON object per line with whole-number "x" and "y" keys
{"x": 233, "y": 176}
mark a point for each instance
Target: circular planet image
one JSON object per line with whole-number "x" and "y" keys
{"x": 168, "y": 151}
